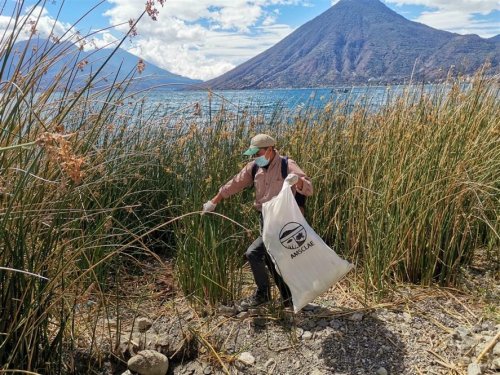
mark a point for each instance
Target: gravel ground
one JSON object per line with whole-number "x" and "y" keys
{"x": 414, "y": 331}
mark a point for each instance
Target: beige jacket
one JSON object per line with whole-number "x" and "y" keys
{"x": 268, "y": 181}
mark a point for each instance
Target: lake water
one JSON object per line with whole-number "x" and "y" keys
{"x": 197, "y": 107}
{"x": 168, "y": 103}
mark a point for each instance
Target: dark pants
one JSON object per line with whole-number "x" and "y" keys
{"x": 258, "y": 258}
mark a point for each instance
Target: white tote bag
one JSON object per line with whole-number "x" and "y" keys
{"x": 308, "y": 266}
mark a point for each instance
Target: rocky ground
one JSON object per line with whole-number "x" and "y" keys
{"x": 414, "y": 330}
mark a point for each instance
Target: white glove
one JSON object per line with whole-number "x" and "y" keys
{"x": 292, "y": 179}
{"x": 209, "y": 206}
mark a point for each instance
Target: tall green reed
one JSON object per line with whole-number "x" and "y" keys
{"x": 62, "y": 215}
{"x": 408, "y": 193}
{"x": 412, "y": 191}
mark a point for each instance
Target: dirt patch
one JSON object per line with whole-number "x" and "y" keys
{"x": 414, "y": 331}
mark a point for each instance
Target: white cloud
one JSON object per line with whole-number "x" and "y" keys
{"x": 270, "y": 20}
{"x": 447, "y": 20}
{"x": 196, "y": 38}
{"x": 205, "y": 38}
{"x": 465, "y": 6}
{"x": 181, "y": 59}
{"x": 37, "y": 22}
{"x": 213, "y": 54}
{"x": 234, "y": 18}
{"x": 459, "y": 16}
{"x": 103, "y": 39}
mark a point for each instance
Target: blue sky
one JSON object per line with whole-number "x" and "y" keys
{"x": 205, "y": 38}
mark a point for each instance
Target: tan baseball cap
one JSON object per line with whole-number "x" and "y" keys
{"x": 259, "y": 141}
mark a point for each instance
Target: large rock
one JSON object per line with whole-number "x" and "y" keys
{"x": 148, "y": 362}
{"x": 174, "y": 340}
{"x": 144, "y": 324}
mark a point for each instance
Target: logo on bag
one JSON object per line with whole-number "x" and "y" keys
{"x": 293, "y": 235}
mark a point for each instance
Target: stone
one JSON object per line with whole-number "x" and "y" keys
{"x": 467, "y": 343}
{"x": 495, "y": 364}
{"x": 460, "y": 333}
{"x": 227, "y": 310}
{"x": 496, "y": 349}
{"x": 148, "y": 362}
{"x": 127, "y": 373}
{"x": 269, "y": 362}
{"x": 175, "y": 344}
{"x": 487, "y": 326}
{"x": 259, "y": 322}
{"x": 243, "y": 315}
{"x": 486, "y": 338}
{"x": 465, "y": 360}
{"x": 356, "y": 317}
{"x": 311, "y": 307}
{"x": 323, "y": 323}
{"x": 335, "y": 324}
{"x": 299, "y": 331}
{"x": 407, "y": 317}
{"x": 476, "y": 328}
{"x": 327, "y": 331}
{"x": 317, "y": 372}
{"x": 207, "y": 370}
{"x": 194, "y": 367}
{"x": 381, "y": 371}
{"x": 474, "y": 369}
{"x": 143, "y": 324}
{"x": 307, "y": 335}
{"x": 247, "y": 358}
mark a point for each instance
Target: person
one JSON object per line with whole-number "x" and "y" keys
{"x": 264, "y": 172}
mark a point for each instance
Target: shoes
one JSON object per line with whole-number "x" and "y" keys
{"x": 254, "y": 301}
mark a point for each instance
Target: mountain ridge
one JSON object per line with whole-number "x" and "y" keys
{"x": 67, "y": 55}
{"x": 358, "y": 42}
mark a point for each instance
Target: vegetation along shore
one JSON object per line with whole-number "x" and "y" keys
{"x": 104, "y": 251}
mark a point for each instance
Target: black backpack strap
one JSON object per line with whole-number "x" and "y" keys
{"x": 300, "y": 199}
{"x": 284, "y": 167}
{"x": 255, "y": 168}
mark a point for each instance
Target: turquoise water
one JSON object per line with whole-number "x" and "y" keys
{"x": 199, "y": 106}
{"x": 265, "y": 101}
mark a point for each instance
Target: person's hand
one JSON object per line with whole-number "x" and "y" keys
{"x": 292, "y": 179}
{"x": 209, "y": 206}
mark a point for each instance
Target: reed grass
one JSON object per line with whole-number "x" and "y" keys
{"x": 90, "y": 177}
{"x": 63, "y": 217}
{"x": 408, "y": 192}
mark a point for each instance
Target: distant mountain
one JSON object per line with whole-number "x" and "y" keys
{"x": 65, "y": 56}
{"x": 357, "y": 42}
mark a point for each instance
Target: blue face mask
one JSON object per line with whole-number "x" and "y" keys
{"x": 261, "y": 161}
